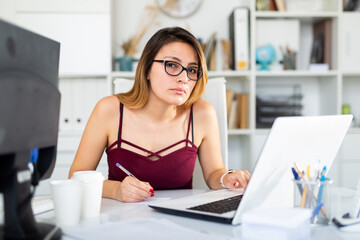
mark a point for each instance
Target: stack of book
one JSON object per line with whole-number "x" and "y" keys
{"x": 237, "y": 109}
{"x": 269, "y": 107}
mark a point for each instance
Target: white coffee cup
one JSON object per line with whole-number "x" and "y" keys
{"x": 92, "y": 184}
{"x": 67, "y": 196}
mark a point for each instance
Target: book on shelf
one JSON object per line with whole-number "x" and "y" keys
{"x": 229, "y": 98}
{"x": 321, "y": 48}
{"x": 209, "y": 52}
{"x": 242, "y": 100}
{"x": 272, "y": 5}
{"x": 280, "y": 5}
{"x": 239, "y": 23}
{"x": 237, "y": 109}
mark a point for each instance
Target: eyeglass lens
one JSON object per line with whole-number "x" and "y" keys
{"x": 174, "y": 68}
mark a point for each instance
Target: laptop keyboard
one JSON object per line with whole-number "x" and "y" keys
{"x": 220, "y": 206}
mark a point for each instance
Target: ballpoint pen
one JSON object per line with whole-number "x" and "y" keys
{"x": 296, "y": 177}
{"x": 125, "y": 171}
{"x": 308, "y": 172}
{"x": 317, "y": 210}
{"x": 322, "y": 180}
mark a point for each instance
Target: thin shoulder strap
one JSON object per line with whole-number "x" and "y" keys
{"x": 192, "y": 125}
{"x": 120, "y": 122}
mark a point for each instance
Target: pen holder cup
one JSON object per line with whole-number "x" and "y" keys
{"x": 316, "y": 196}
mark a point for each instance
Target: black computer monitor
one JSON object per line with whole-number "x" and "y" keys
{"x": 29, "y": 119}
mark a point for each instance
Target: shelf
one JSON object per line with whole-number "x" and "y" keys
{"x": 351, "y": 74}
{"x": 331, "y": 73}
{"x": 262, "y": 131}
{"x": 235, "y": 132}
{"x": 83, "y": 75}
{"x": 118, "y": 74}
{"x": 355, "y": 130}
{"x": 70, "y": 133}
{"x": 229, "y": 73}
{"x": 211, "y": 74}
{"x": 298, "y": 15}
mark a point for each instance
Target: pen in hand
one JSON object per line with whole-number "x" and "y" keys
{"x": 129, "y": 174}
{"x": 125, "y": 171}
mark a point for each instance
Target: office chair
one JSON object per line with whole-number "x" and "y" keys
{"x": 215, "y": 94}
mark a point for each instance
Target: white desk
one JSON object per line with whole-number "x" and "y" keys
{"x": 114, "y": 211}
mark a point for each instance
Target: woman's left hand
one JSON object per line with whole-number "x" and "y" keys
{"x": 237, "y": 179}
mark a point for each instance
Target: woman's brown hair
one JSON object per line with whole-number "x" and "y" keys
{"x": 138, "y": 95}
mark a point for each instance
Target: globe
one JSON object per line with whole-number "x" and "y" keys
{"x": 265, "y": 56}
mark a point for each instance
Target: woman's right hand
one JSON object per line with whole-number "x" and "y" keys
{"x": 133, "y": 190}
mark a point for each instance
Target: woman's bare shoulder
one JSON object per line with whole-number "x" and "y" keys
{"x": 204, "y": 110}
{"x": 203, "y": 107}
{"x": 107, "y": 106}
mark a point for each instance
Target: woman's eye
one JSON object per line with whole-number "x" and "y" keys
{"x": 172, "y": 65}
{"x": 193, "y": 70}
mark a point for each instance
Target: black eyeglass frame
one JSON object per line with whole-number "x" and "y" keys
{"x": 183, "y": 68}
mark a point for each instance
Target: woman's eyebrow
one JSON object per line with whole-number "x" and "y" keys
{"x": 174, "y": 58}
{"x": 179, "y": 60}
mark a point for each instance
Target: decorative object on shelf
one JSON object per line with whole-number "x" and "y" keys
{"x": 289, "y": 58}
{"x": 262, "y": 5}
{"x": 179, "y": 8}
{"x": 125, "y": 63}
{"x": 265, "y": 56}
{"x": 346, "y": 109}
{"x": 148, "y": 18}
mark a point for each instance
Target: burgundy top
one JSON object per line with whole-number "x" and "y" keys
{"x": 171, "y": 171}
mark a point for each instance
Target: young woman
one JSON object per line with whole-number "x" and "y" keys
{"x": 157, "y": 129}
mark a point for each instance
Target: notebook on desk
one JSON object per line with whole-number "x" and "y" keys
{"x": 304, "y": 140}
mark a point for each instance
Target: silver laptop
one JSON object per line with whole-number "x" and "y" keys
{"x": 304, "y": 140}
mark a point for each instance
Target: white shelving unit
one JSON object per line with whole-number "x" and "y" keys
{"x": 324, "y": 92}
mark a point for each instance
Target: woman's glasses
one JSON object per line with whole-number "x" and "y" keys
{"x": 175, "y": 69}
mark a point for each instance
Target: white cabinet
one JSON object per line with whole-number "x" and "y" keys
{"x": 82, "y": 28}
{"x": 78, "y": 98}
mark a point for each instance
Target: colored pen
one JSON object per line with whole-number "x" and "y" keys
{"x": 317, "y": 210}
{"x": 298, "y": 169}
{"x": 303, "y": 198}
{"x": 308, "y": 172}
{"x": 125, "y": 171}
{"x": 296, "y": 177}
{"x": 322, "y": 180}
{"x": 323, "y": 172}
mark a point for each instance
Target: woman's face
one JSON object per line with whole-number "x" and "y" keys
{"x": 174, "y": 90}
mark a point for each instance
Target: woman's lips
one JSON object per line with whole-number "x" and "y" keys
{"x": 179, "y": 90}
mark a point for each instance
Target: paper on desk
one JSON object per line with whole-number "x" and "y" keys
{"x": 151, "y": 200}
{"x": 151, "y": 228}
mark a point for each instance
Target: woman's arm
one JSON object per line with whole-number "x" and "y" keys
{"x": 103, "y": 120}
{"x": 210, "y": 150}
{"x": 94, "y": 138}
